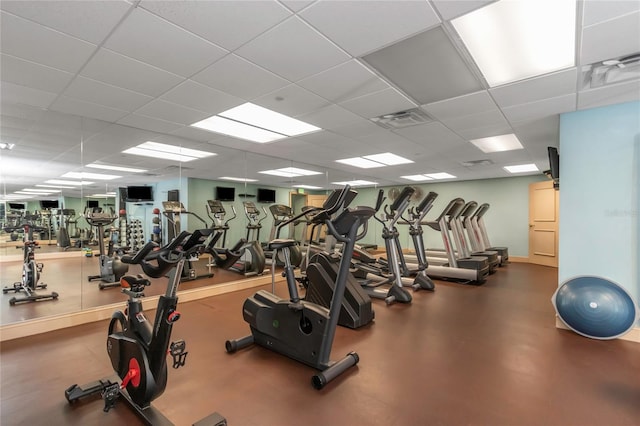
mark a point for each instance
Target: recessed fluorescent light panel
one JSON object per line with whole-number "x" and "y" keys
{"x": 522, "y": 168}
{"x": 439, "y": 176}
{"x": 167, "y": 152}
{"x": 376, "y": 160}
{"x": 290, "y": 172}
{"x": 85, "y": 175}
{"x": 67, "y": 182}
{"x": 355, "y": 183}
{"x": 514, "y": 40}
{"x": 307, "y": 186}
{"x": 54, "y": 186}
{"x": 498, "y": 143}
{"x": 41, "y": 191}
{"x": 255, "y": 123}
{"x": 116, "y": 168}
{"x": 237, "y": 179}
{"x": 417, "y": 178}
{"x": 33, "y": 194}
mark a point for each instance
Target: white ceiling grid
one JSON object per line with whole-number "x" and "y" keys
{"x": 118, "y": 73}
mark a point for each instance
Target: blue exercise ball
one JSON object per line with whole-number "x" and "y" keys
{"x": 595, "y": 307}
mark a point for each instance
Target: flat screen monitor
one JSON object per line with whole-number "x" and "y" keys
{"x": 49, "y": 204}
{"x": 139, "y": 193}
{"x": 16, "y": 206}
{"x": 93, "y": 204}
{"x": 554, "y": 162}
{"x": 224, "y": 193}
{"x": 266, "y": 195}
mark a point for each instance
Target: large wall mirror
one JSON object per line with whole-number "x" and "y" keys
{"x": 99, "y": 188}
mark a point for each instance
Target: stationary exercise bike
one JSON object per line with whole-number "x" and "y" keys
{"x": 138, "y": 349}
{"x": 111, "y": 267}
{"x": 299, "y": 329}
{"x": 31, "y": 270}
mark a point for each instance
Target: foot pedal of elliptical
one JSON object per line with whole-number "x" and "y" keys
{"x": 110, "y": 395}
{"x": 178, "y": 353}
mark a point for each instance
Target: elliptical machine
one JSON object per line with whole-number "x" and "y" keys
{"x": 31, "y": 270}
{"x": 299, "y": 329}
{"x": 373, "y": 279}
{"x": 111, "y": 267}
{"x": 137, "y": 349}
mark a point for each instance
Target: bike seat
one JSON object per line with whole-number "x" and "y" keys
{"x": 131, "y": 281}
{"x": 281, "y": 243}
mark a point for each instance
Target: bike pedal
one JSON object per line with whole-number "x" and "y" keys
{"x": 178, "y": 353}
{"x": 110, "y": 395}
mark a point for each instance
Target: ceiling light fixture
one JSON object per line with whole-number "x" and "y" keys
{"x": 237, "y": 179}
{"x": 116, "y": 168}
{"x": 255, "y": 123}
{"x": 375, "y": 160}
{"x": 85, "y": 175}
{"x": 7, "y": 146}
{"x": 290, "y": 172}
{"x": 439, "y": 176}
{"x": 500, "y": 143}
{"x": 307, "y": 186}
{"x": 41, "y": 191}
{"x": 167, "y": 152}
{"x": 417, "y": 178}
{"x": 514, "y": 40}
{"x": 68, "y": 182}
{"x": 54, "y": 186}
{"x": 355, "y": 183}
{"x": 522, "y": 168}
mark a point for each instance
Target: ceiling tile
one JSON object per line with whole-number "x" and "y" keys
{"x": 118, "y": 70}
{"x": 87, "y": 109}
{"x": 611, "y": 39}
{"x": 293, "y": 50}
{"x": 34, "y": 42}
{"x": 432, "y": 136}
{"x": 452, "y": 9}
{"x": 609, "y": 95}
{"x": 473, "y": 103}
{"x": 228, "y": 24}
{"x": 13, "y": 93}
{"x": 292, "y": 100}
{"x": 343, "y": 82}
{"x": 384, "y": 102}
{"x": 595, "y": 11}
{"x": 200, "y": 97}
{"x": 148, "y": 123}
{"x": 329, "y": 117}
{"x": 87, "y": 20}
{"x": 540, "y": 109}
{"x": 465, "y": 122}
{"x": 105, "y": 94}
{"x": 147, "y": 38}
{"x": 193, "y": 133}
{"x": 296, "y": 5}
{"x": 485, "y": 131}
{"x": 410, "y": 65}
{"x": 225, "y": 75}
{"x": 536, "y": 89}
{"x": 359, "y": 128}
{"x": 26, "y": 73}
{"x": 360, "y": 27}
{"x": 169, "y": 111}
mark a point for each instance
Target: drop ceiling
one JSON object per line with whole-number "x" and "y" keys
{"x": 83, "y": 81}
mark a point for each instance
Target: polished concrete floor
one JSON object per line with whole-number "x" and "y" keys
{"x": 488, "y": 355}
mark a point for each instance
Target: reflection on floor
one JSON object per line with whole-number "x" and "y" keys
{"x": 488, "y": 355}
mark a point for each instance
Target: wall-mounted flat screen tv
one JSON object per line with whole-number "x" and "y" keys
{"x": 93, "y": 204}
{"x": 266, "y": 195}
{"x": 554, "y": 162}
{"x": 16, "y": 206}
{"x": 139, "y": 193}
{"x": 49, "y": 204}
{"x": 224, "y": 193}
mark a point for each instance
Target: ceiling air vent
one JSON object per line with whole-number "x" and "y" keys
{"x": 612, "y": 71}
{"x": 400, "y": 119}
{"x": 474, "y": 163}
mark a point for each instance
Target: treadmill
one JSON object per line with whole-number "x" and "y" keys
{"x": 477, "y": 222}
